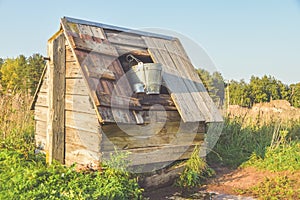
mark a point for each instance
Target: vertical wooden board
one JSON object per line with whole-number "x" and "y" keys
{"x": 213, "y": 112}
{"x": 176, "y": 84}
{"x": 84, "y": 29}
{"x": 97, "y": 32}
{"x": 184, "y": 72}
{"x": 56, "y": 91}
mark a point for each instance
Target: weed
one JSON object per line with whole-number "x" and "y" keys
{"x": 195, "y": 171}
{"x": 280, "y": 187}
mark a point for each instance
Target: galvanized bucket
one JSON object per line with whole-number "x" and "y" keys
{"x": 145, "y": 77}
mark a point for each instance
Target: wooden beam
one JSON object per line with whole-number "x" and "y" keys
{"x": 56, "y": 89}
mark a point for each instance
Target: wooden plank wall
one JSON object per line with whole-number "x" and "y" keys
{"x": 40, "y": 113}
{"x": 82, "y": 126}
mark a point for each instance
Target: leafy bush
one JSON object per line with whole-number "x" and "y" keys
{"x": 31, "y": 178}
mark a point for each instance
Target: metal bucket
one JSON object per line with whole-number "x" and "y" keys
{"x": 148, "y": 75}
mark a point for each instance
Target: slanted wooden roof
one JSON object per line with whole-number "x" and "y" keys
{"x": 97, "y": 48}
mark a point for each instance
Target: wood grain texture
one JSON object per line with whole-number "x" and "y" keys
{"x": 123, "y": 38}
{"x": 82, "y": 121}
{"x": 56, "y": 91}
{"x": 178, "y": 86}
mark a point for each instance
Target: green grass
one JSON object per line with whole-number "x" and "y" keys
{"x": 276, "y": 188}
{"x": 238, "y": 143}
{"x": 273, "y": 147}
{"x": 25, "y": 175}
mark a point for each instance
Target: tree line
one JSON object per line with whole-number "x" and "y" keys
{"x": 258, "y": 90}
{"x": 23, "y": 74}
{"x": 20, "y": 73}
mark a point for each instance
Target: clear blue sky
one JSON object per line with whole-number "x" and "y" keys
{"x": 243, "y": 38}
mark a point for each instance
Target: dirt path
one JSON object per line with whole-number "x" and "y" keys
{"x": 223, "y": 186}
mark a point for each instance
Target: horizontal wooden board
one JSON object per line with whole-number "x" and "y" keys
{"x": 76, "y": 86}
{"x": 137, "y": 51}
{"x": 41, "y": 128}
{"x": 152, "y": 155}
{"x": 82, "y": 121}
{"x": 113, "y": 115}
{"x": 70, "y": 57}
{"x": 124, "y": 38}
{"x": 98, "y": 72}
{"x": 40, "y": 142}
{"x": 109, "y": 144}
{"x": 116, "y": 101}
{"x": 87, "y": 140}
{"x": 78, "y": 154}
{"x": 90, "y": 45}
{"x": 79, "y": 103}
{"x": 40, "y": 113}
{"x": 73, "y": 70}
{"x": 42, "y": 99}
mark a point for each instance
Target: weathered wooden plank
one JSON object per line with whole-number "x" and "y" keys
{"x": 97, "y": 32}
{"x": 138, "y": 51}
{"x": 82, "y": 121}
{"x": 40, "y": 113}
{"x": 124, "y": 38}
{"x": 79, "y": 103}
{"x": 116, "y": 101}
{"x": 98, "y": 72}
{"x": 214, "y": 114}
{"x": 113, "y": 115}
{"x": 76, "y": 86}
{"x": 40, "y": 141}
{"x": 42, "y": 99}
{"x": 44, "y": 86}
{"x": 153, "y": 155}
{"x": 80, "y": 155}
{"x": 90, "y": 45}
{"x": 84, "y": 29}
{"x": 41, "y": 128}
{"x": 157, "y": 140}
{"x": 88, "y": 140}
{"x": 40, "y": 135}
{"x": 175, "y": 83}
{"x": 73, "y": 70}
{"x": 56, "y": 88}
{"x": 70, "y": 57}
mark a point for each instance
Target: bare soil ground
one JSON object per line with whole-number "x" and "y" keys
{"x": 224, "y": 185}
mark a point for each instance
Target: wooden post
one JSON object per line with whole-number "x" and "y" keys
{"x": 55, "y": 148}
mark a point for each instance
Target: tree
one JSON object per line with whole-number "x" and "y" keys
{"x": 21, "y": 74}
{"x": 214, "y": 84}
{"x": 34, "y": 70}
{"x": 295, "y": 95}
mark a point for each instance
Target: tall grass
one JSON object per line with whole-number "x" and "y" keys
{"x": 240, "y": 141}
{"x": 16, "y": 123}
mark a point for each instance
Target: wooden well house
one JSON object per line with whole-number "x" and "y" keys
{"x": 86, "y": 106}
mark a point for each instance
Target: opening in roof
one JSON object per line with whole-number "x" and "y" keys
{"x": 126, "y": 65}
